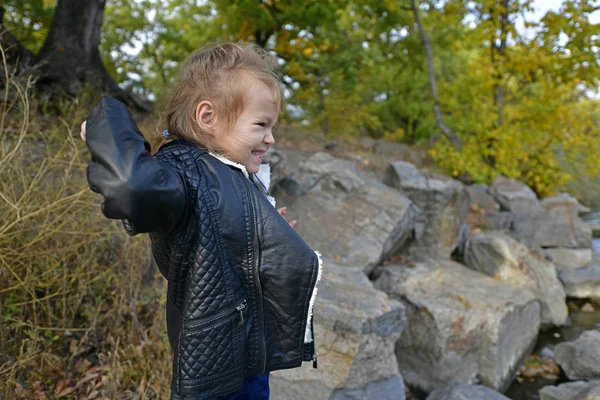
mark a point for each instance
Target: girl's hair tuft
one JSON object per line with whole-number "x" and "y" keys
{"x": 221, "y": 73}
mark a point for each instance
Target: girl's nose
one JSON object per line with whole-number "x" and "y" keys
{"x": 269, "y": 139}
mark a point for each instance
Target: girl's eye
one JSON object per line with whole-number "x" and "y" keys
{"x": 261, "y": 124}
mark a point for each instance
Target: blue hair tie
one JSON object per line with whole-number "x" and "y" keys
{"x": 166, "y": 133}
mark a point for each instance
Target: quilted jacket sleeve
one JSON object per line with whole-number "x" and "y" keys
{"x": 147, "y": 194}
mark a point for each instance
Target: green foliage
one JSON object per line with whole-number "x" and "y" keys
{"x": 359, "y": 68}
{"x": 29, "y": 21}
{"x": 144, "y": 41}
{"x": 544, "y": 119}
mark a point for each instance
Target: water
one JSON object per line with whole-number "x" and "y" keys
{"x": 580, "y": 322}
{"x": 594, "y": 219}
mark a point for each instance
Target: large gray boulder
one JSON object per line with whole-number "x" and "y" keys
{"x": 388, "y": 389}
{"x": 356, "y": 327}
{"x": 543, "y": 229}
{"x": 277, "y": 160}
{"x": 569, "y": 259}
{"x": 572, "y": 391}
{"x": 580, "y": 359}
{"x": 500, "y": 221}
{"x": 462, "y": 325}
{"x": 479, "y": 196}
{"x": 555, "y": 228}
{"x": 564, "y": 203}
{"x": 500, "y": 256}
{"x": 443, "y": 203}
{"x": 514, "y": 196}
{"x": 582, "y": 283}
{"x": 344, "y": 212}
{"x": 466, "y": 392}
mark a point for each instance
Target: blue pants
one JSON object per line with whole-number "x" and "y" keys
{"x": 255, "y": 388}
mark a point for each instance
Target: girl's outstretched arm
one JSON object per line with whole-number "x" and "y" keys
{"x": 137, "y": 188}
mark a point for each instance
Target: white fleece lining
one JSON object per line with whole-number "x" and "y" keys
{"x": 227, "y": 161}
{"x": 264, "y": 175}
{"x": 307, "y": 333}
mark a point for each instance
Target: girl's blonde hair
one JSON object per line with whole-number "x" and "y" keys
{"x": 222, "y": 74}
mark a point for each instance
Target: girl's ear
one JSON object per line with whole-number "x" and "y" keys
{"x": 206, "y": 116}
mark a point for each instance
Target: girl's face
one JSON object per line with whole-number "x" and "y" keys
{"x": 252, "y": 133}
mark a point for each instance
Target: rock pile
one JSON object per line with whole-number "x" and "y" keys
{"x": 433, "y": 284}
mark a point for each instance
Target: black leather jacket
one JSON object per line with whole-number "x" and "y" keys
{"x": 240, "y": 278}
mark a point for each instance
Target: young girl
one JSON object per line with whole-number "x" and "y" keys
{"x": 242, "y": 283}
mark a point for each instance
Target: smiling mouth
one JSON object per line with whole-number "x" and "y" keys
{"x": 258, "y": 154}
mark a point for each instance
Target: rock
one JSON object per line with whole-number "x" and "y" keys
{"x": 547, "y": 353}
{"x": 500, "y": 256}
{"x": 566, "y": 259}
{"x": 389, "y": 389}
{"x": 565, "y": 203}
{"x": 277, "y": 160}
{"x": 403, "y": 174}
{"x": 514, "y": 196}
{"x": 356, "y": 327}
{"x": 572, "y": 391}
{"x": 582, "y": 283}
{"x": 595, "y": 228}
{"x": 479, "y": 196}
{"x": 443, "y": 203}
{"x": 466, "y": 392}
{"x": 499, "y": 221}
{"x": 385, "y": 150}
{"x": 555, "y": 228}
{"x": 462, "y": 325}
{"x": 580, "y": 359}
{"x": 588, "y": 308}
{"x": 344, "y": 213}
{"x": 537, "y": 366}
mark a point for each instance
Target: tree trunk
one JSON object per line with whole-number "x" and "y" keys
{"x": 498, "y": 62}
{"x": 498, "y": 54}
{"x": 70, "y": 55}
{"x": 456, "y": 142}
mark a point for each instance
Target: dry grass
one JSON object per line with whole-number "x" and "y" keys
{"x": 81, "y": 306}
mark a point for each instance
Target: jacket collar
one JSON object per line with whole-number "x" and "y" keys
{"x": 263, "y": 175}
{"x": 227, "y": 161}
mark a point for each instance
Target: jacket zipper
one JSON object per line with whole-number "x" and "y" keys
{"x": 263, "y": 357}
{"x": 222, "y": 314}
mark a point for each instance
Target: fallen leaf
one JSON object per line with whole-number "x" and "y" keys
{"x": 72, "y": 346}
{"x": 588, "y": 308}
{"x": 88, "y": 377}
{"x": 142, "y": 387}
{"x": 21, "y": 392}
{"x": 61, "y": 385}
{"x": 99, "y": 382}
{"x": 65, "y": 392}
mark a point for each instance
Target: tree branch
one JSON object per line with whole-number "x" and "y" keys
{"x": 456, "y": 142}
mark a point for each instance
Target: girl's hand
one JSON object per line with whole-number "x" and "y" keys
{"x": 282, "y": 211}
{"x": 82, "y": 133}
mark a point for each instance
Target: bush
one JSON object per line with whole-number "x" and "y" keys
{"x": 81, "y": 304}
